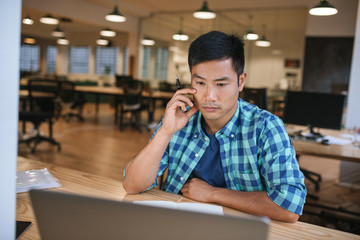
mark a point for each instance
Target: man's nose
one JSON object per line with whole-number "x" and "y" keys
{"x": 210, "y": 94}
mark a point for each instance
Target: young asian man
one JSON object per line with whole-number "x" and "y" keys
{"x": 219, "y": 148}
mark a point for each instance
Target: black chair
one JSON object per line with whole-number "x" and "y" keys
{"x": 121, "y": 79}
{"x": 131, "y": 102}
{"x": 41, "y": 108}
{"x": 313, "y": 177}
{"x": 256, "y": 96}
{"x": 69, "y": 97}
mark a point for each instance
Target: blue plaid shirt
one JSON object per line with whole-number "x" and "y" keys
{"x": 256, "y": 154}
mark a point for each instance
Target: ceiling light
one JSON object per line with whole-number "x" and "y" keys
{"x": 115, "y": 16}
{"x": 58, "y": 32}
{"x": 102, "y": 41}
{"x": 204, "y": 12}
{"x": 250, "y": 35}
{"x": 27, "y": 20}
{"x": 263, "y": 42}
{"x": 48, "y": 19}
{"x": 63, "y": 41}
{"x": 29, "y": 40}
{"x": 323, "y": 9}
{"x": 148, "y": 41}
{"x": 107, "y": 33}
{"x": 180, "y": 35}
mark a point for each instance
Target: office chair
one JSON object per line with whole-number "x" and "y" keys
{"x": 121, "y": 79}
{"x": 313, "y": 177}
{"x": 42, "y": 97}
{"x": 256, "y": 96}
{"x": 132, "y": 103}
{"x": 69, "y": 97}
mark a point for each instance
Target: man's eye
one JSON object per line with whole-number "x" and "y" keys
{"x": 221, "y": 84}
{"x": 200, "y": 83}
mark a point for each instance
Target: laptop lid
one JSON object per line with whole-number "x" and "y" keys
{"x": 68, "y": 216}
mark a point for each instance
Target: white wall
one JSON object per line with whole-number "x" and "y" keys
{"x": 10, "y": 13}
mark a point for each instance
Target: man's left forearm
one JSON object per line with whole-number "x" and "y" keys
{"x": 257, "y": 203}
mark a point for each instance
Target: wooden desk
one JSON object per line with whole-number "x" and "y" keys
{"x": 88, "y": 184}
{"x": 339, "y": 152}
{"x": 118, "y": 92}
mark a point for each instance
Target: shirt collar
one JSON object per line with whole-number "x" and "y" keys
{"x": 230, "y": 130}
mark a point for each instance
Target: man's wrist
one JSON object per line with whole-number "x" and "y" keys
{"x": 165, "y": 133}
{"x": 215, "y": 195}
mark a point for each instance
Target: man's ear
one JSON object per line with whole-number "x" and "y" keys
{"x": 242, "y": 78}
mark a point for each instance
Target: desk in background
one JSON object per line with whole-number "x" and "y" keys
{"x": 118, "y": 92}
{"x": 339, "y": 152}
{"x": 92, "y": 185}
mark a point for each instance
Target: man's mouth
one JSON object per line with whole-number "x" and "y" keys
{"x": 210, "y": 108}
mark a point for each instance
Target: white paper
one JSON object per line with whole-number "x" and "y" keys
{"x": 35, "y": 179}
{"x": 194, "y": 207}
{"x": 336, "y": 140}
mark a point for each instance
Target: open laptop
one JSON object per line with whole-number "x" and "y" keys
{"x": 67, "y": 216}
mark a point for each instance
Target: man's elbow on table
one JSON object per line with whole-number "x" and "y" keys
{"x": 290, "y": 217}
{"x": 130, "y": 188}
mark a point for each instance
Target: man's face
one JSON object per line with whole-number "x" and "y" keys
{"x": 218, "y": 90}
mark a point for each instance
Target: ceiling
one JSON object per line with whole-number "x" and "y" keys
{"x": 88, "y": 15}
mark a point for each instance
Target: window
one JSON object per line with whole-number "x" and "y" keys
{"x": 161, "y": 63}
{"x": 146, "y": 62}
{"x": 106, "y": 60}
{"x": 126, "y": 61}
{"x": 29, "y": 58}
{"x": 79, "y": 59}
{"x": 51, "y": 59}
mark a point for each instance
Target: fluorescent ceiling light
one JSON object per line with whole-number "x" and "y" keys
{"x": 115, "y": 16}
{"x": 323, "y": 9}
{"x": 180, "y": 36}
{"x": 204, "y": 12}
{"x": 250, "y": 35}
{"x": 58, "y": 32}
{"x": 107, "y": 33}
{"x": 27, "y": 20}
{"x": 102, "y": 41}
{"x": 62, "y": 41}
{"x": 48, "y": 19}
{"x": 29, "y": 40}
{"x": 147, "y": 42}
{"x": 263, "y": 42}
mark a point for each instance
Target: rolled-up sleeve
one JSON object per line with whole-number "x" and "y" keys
{"x": 280, "y": 169}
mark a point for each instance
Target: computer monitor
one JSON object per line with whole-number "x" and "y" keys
{"x": 322, "y": 110}
{"x": 256, "y": 96}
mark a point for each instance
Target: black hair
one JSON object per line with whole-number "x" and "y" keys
{"x": 217, "y": 45}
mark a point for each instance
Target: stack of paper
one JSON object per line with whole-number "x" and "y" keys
{"x": 336, "y": 140}
{"x": 194, "y": 207}
{"x": 35, "y": 179}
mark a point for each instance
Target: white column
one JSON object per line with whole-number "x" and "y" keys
{"x": 353, "y": 109}
{"x": 349, "y": 171}
{"x": 10, "y": 17}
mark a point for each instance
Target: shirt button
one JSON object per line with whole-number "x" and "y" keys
{"x": 196, "y": 155}
{"x": 181, "y": 179}
{"x": 232, "y": 135}
{"x": 195, "y": 136}
{"x": 206, "y": 139}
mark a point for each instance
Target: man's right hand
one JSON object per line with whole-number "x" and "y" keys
{"x": 176, "y": 116}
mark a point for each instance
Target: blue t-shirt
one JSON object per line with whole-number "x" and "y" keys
{"x": 209, "y": 167}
